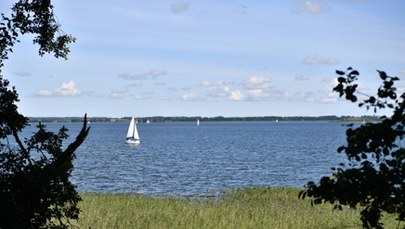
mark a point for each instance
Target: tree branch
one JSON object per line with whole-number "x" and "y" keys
{"x": 23, "y": 149}
{"x": 73, "y": 146}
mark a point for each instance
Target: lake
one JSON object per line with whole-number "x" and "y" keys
{"x": 183, "y": 159}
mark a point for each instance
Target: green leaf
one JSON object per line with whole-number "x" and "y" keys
{"x": 354, "y": 74}
{"x": 340, "y": 72}
{"x": 393, "y": 95}
{"x": 382, "y": 74}
{"x": 341, "y": 148}
{"x": 341, "y": 80}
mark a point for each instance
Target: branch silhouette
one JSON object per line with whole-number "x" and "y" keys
{"x": 374, "y": 176}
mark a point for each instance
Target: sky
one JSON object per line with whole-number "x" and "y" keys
{"x": 209, "y": 58}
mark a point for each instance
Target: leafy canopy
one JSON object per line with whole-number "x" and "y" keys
{"x": 35, "y": 191}
{"x": 374, "y": 176}
{"x": 33, "y": 17}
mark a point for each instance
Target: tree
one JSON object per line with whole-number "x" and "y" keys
{"x": 35, "y": 191}
{"x": 374, "y": 176}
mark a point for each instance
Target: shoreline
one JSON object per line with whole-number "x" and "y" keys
{"x": 154, "y": 119}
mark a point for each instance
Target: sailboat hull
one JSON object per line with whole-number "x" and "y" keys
{"x": 133, "y": 141}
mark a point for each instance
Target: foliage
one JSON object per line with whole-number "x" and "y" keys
{"x": 374, "y": 176}
{"x": 33, "y": 17}
{"x": 35, "y": 191}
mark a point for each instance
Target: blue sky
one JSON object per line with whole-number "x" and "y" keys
{"x": 209, "y": 58}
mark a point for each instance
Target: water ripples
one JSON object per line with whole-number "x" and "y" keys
{"x": 183, "y": 159}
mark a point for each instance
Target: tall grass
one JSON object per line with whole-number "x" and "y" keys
{"x": 243, "y": 208}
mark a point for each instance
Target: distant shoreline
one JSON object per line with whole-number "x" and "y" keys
{"x": 206, "y": 119}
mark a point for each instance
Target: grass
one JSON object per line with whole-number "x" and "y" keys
{"x": 242, "y": 208}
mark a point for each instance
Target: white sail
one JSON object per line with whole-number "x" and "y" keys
{"x": 136, "y": 135}
{"x": 132, "y": 134}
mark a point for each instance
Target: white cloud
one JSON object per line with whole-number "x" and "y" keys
{"x": 237, "y": 96}
{"x": 146, "y": 95}
{"x": 313, "y": 7}
{"x": 258, "y": 94}
{"x": 316, "y": 60}
{"x": 141, "y": 97}
{"x": 260, "y": 88}
{"x": 191, "y": 97}
{"x": 118, "y": 94}
{"x": 254, "y": 88}
{"x": 179, "y": 7}
{"x": 207, "y": 84}
{"x": 152, "y": 73}
{"x": 403, "y": 71}
{"x": 115, "y": 96}
{"x": 67, "y": 89}
{"x": 218, "y": 89}
{"x": 254, "y": 82}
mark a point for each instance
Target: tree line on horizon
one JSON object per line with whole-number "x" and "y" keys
{"x": 367, "y": 118}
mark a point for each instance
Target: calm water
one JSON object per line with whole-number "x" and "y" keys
{"x": 185, "y": 159}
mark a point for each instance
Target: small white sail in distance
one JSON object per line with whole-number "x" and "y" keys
{"x": 132, "y": 134}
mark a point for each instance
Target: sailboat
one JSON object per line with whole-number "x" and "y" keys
{"x": 132, "y": 135}
{"x": 198, "y": 122}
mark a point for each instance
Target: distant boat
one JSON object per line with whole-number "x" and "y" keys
{"x": 147, "y": 121}
{"x": 132, "y": 135}
{"x": 198, "y": 122}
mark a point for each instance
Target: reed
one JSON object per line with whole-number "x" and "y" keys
{"x": 241, "y": 208}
